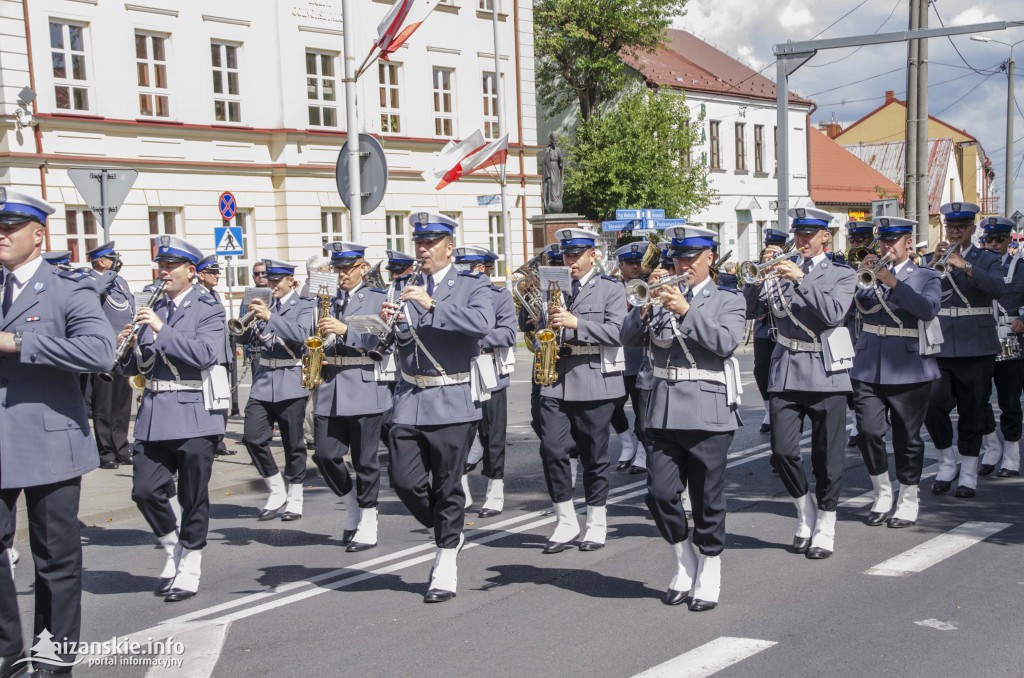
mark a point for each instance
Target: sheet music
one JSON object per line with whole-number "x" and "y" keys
{"x": 559, "y": 274}
{"x": 253, "y": 293}
{"x": 366, "y": 324}
{"x": 323, "y": 282}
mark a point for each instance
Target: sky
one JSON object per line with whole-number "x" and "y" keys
{"x": 966, "y": 89}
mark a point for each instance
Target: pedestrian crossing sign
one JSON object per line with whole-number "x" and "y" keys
{"x": 228, "y": 241}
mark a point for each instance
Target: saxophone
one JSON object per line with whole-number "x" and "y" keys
{"x": 313, "y": 359}
{"x": 545, "y": 370}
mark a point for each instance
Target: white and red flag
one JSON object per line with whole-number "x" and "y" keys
{"x": 400, "y": 23}
{"x": 470, "y": 155}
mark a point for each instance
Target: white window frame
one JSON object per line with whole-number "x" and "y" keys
{"x": 160, "y": 218}
{"x": 740, "y": 141}
{"x": 389, "y": 88}
{"x": 333, "y": 225}
{"x": 226, "y": 97}
{"x": 486, "y": 6}
{"x": 444, "y": 101}
{"x": 151, "y": 64}
{"x": 397, "y": 231}
{"x": 81, "y": 241}
{"x": 241, "y": 266}
{"x": 759, "y": 149}
{"x": 317, "y": 80}
{"x": 70, "y": 82}
{"x": 489, "y": 101}
{"x": 496, "y": 243}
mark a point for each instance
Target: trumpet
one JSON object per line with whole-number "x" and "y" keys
{"x": 239, "y": 326}
{"x": 387, "y": 335}
{"x": 866, "y": 278}
{"x": 126, "y": 343}
{"x": 855, "y": 255}
{"x": 941, "y": 266}
{"x": 638, "y": 292}
{"x": 753, "y": 273}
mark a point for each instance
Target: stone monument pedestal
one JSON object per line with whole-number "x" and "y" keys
{"x": 545, "y": 225}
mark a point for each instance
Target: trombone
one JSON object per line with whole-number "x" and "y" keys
{"x": 866, "y": 279}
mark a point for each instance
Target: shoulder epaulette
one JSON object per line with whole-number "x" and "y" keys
{"x": 378, "y": 290}
{"x": 727, "y": 289}
{"x": 472, "y": 274}
{"x": 498, "y": 288}
{"x": 612, "y": 278}
{"x": 208, "y": 299}
{"x": 76, "y": 275}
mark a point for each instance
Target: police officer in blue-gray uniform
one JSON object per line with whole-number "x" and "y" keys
{"x": 693, "y": 411}
{"x": 111, "y": 394}
{"x": 399, "y": 265}
{"x": 809, "y": 375}
{"x": 51, "y": 329}
{"x": 208, "y": 275}
{"x": 444, "y": 315}
{"x": 277, "y": 396}
{"x": 576, "y": 408}
{"x": 352, "y": 399}
{"x": 860, "y": 240}
{"x": 764, "y": 337}
{"x": 552, "y": 257}
{"x": 61, "y": 259}
{"x": 972, "y": 281}
{"x": 633, "y": 455}
{"x": 1009, "y": 370}
{"x": 181, "y": 338}
{"x": 499, "y": 347}
{"x": 892, "y": 370}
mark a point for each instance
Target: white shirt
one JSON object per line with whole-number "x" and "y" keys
{"x": 282, "y": 301}
{"x": 899, "y": 267}
{"x": 701, "y": 285}
{"x": 21, "y": 276}
{"x": 439, "y": 276}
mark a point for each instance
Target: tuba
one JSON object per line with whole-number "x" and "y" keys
{"x": 652, "y": 257}
{"x": 545, "y": 370}
{"x": 373, "y": 277}
{"x": 855, "y": 255}
{"x": 313, "y": 358}
{"x": 526, "y": 293}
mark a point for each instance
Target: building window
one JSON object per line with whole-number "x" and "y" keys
{"x": 741, "y": 146}
{"x": 444, "y": 125}
{"x": 486, "y": 5}
{"x": 322, "y": 89}
{"x": 490, "y": 107}
{"x": 395, "y": 237}
{"x": 227, "y": 101}
{"x": 332, "y": 225}
{"x": 759, "y": 149}
{"x": 716, "y": 151}
{"x": 496, "y": 242}
{"x": 390, "y": 112}
{"x": 70, "y": 77}
{"x": 242, "y": 266}
{"x": 686, "y": 154}
{"x": 151, "y": 67}
{"x": 82, "y": 234}
{"x": 161, "y": 222}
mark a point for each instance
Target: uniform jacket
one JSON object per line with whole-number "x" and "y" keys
{"x": 116, "y": 298}
{"x": 973, "y": 335}
{"x": 1012, "y": 300}
{"x": 281, "y": 338}
{"x": 352, "y": 390}
{"x": 711, "y": 331}
{"x": 820, "y": 302}
{"x": 44, "y": 424}
{"x": 897, "y": 360}
{"x": 600, "y": 308}
{"x": 503, "y": 334}
{"x": 452, "y": 332}
{"x": 190, "y": 343}
{"x": 228, "y": 355}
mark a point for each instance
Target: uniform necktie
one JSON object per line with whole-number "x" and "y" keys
{"x": 277, "y": 306}
{"x": 8, "y": 293}
{"x": 689, "y": 294}
{"x": 808, "y": 265}
{"x": 344, "y": 302}
{"x": 575, "y": 288}
{"x": 170, "y": 311}
{"x": 430, "y": 285}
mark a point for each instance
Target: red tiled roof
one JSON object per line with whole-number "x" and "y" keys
{"x": 688, "y": 63}
{"x": 889, "y": 158}
{"x": 840, "y": 178}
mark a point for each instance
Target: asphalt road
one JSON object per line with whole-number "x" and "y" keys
{"x": 284, "y": 599}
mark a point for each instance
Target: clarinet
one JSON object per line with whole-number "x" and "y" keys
{"x": 387, "y": 336}
{"x": 125, "y": 345}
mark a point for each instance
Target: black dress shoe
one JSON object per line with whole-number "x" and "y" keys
{"x": 109, "y": 465}
{"x": 347, "y": 536}
{"x": 765, "y": 428}
{"x": 177, "y": 595}
{"x": 268, "y": 514}
{"x": 702, "y": 605}
{"x": 468, "y": 468}
{"x": 125, "y": 462}
{"x": 488, "y": 513}
{"x": 964, "y": 492}
{"x": 676, "y": 597}
{"x": 986, "y": 469}
{"x": 875, "y": 518}
{"x": 556, "y": 547}
{"x": 852, "y": 442}
{"x": 941, "y": 486}
{"x": 8, "y": 668}
{"x": 637, "y": 470}
{"x": 901, "y": 522}
{"x": 591, "y": 546}
{"x": 817, "y": 553}
{"x": 1006, "y": 473}
{"x": 163, "y": 586}
{"x": 289, "y": 516}
{"x": 801, "y": 544}
{"x": 438, "y": 596}
{"x": 356, "y": 547}
{"x": 624, "y": 465}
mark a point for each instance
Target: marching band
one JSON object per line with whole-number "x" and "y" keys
{"x": 422, "y": 364}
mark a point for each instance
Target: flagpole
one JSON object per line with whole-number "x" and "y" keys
{"x": 501, "y": 132}
{"x": 355, "y": 205}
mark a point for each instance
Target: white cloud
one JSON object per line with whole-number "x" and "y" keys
{"x": 973, "y": 15}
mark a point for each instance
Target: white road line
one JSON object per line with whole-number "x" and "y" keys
{"x": 936, "y": 550}
{"x": 708, "y": 659}
{"x": 203, "y": 645}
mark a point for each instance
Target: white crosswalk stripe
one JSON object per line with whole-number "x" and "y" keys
{"x": 708, "y": 659}
{"x": 936, "y": 550}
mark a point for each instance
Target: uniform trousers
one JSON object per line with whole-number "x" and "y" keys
{"x": 111, "y": 412}
{"x": 693, "y": 461}
{"x": 56, "y": 543}
{"x": 493, "y": 430}
{"x": 907, "y": 405}
{"x": 535, "y": 408}
{"x": 359, "y": 435}
{"x": 620, "y": 422}
{"x": 260, "y": 418}
{"x": 763, "y": 349}
{"x": 153, "y": 469}
{"x": 963, "y": 383}
{"x": 643, "y": 396}
{"x": 583, "y": 425}
{"x": 1009, "y": 379}
{"x": 827, "y": 412}
{"x": 633, "y": 393}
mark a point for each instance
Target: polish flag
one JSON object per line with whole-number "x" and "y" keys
{"x": 400, "y": 23}
{"x": 450, "y": 158}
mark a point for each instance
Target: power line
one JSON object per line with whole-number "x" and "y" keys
{"x": 901, "y": 92}
{"x": 862, "y": 3}
{"x": 856, "y": 82}
{"x": 964, "y": 96}
{"x": 836, "y": 61}
{"x": 950, "y": 38}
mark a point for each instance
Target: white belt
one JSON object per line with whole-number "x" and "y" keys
{"x": 163, "y": 385}
{"x": 424, "y": 381}
{"x": 688, "y": 374}
{"x": 272, "y": 364}
{"x": 589, "y": 349}
{"x": 799, "y": 346}
{"x": 885, "y": 331}
{"x": 343, "y": 361}
{"x": 961, "y": 312}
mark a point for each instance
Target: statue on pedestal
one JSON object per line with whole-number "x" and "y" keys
{"x": 551, "y": 171}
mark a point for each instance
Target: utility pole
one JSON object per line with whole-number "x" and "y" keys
{"x": 500, "y": 86}
{"x": 1008, "y": 201}
{"x": 922, "y": 125}
{"x": 355, "y": 205}
{"x": 910, "y": 136}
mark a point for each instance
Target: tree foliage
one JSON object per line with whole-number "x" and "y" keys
{"x": 637, "y": 154}
{"x": 580, "y": 44}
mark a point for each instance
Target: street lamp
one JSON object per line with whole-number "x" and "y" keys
{"x": 1008, "y": 200}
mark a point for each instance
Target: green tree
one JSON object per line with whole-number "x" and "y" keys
{"x": 637, "y": 153}
{"x": 580, "y": 45}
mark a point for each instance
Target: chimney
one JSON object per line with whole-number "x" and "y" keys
{"x": 890, "y": 96}
{"x": 833, "y": 129}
